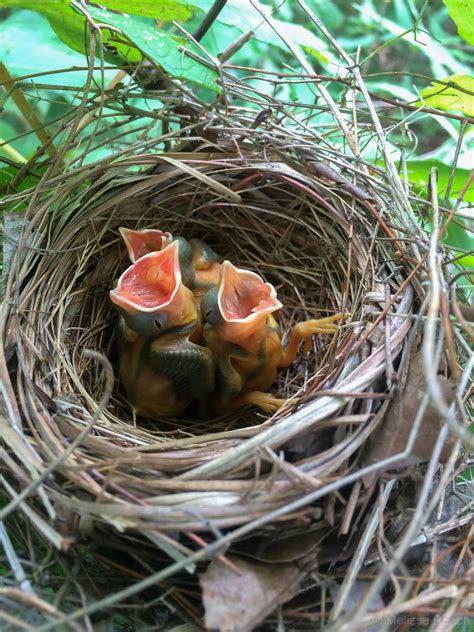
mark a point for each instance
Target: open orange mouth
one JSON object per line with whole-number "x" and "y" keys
{"x": 141, "y": 242}
{"x": 151, "y": 282}
{"x": 244, "y": 295}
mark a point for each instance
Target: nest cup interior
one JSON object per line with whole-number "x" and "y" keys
{"x": 274, "y": 230}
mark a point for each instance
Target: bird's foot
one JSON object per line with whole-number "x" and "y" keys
{"x": 265, "y": 401}
{"x": 326, "y": 325}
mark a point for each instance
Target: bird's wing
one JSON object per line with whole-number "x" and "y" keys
{"x": 190, "y": 367}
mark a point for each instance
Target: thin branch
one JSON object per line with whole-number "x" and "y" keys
{"x": 209, "y": 19}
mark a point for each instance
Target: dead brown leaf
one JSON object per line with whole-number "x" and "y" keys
{"x": 237, "y": 603}
{"x": 392, "y": 435}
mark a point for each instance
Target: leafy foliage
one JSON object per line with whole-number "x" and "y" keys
{"x": 462, "y": 12}
{"x": 419, "y": 175}
{"x": 397, "y": 28}
{"x": 158, "y": 45}
{"x": 458, "y": 95}
{"x": 169, "y": 51}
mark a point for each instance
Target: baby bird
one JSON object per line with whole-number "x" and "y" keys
{"x": 161, "y": 366}
{"x": 245, "y": 339}
{"x": 207, "y": 267}
{"x": 200, "y": 265}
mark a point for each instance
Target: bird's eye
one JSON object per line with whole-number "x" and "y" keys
{"x": 158, "y": 325}
{"x": 208, "y": 313}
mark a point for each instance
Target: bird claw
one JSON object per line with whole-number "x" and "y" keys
{"x": 265, "y": 401}
{"x": 318, "y": 326}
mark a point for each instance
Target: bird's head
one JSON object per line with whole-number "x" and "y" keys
{"x": 241, "y": 302}
{"x": 151, "y": 296}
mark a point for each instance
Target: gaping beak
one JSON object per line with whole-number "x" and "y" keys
{"x": 142, "y": 242}
{"x": 151, "y": 283}
{"x": 244, "y": 297}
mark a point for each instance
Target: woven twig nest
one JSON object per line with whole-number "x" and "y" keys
{"x": 277, "y": 211}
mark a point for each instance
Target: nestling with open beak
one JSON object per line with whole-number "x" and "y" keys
{"x": 200, "y": 267}
{"x": 161, "y": 365}
{"x": 245, "y": 339}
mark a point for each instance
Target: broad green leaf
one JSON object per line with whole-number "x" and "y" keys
{"x": 457, "y": 236}
{"x": 165, "y": 10}
{"x": 451, "y": 97}
{"x": 419, "y": 175}
{"x": 69, "y": 26}
{"x": 462, "y": 13}
{"x": 162, "y": 47}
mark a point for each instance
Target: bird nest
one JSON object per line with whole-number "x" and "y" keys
{"x": 287, "y": 218}
{"x": 325, "y": 233}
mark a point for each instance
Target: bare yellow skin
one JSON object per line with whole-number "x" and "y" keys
{"x": 248, "y": 364}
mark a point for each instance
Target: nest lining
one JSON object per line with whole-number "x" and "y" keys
{"x": 313, "y": 243}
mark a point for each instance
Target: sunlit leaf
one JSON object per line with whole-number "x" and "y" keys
{"x": 163, "y": 48}
{"x": 314, "y": 53}
{"x": 458, "y": 95}
{"x": 462, "y": 13}
{"x": 466, "y": 261}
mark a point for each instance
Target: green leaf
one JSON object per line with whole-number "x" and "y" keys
{"x": 451, "y": 97}
{"x": 158, "y": 45}
{"x": 462, "y": 13}
{"x": 419, "y": 175}
{"x": 315, "y": 53}
{"x": 165, "y": 10}
{"x": 9, "y": 172}
{"x": 458, "y": 237}
{"x": 466, "y": 262}
{"x": 163, "y": 48}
